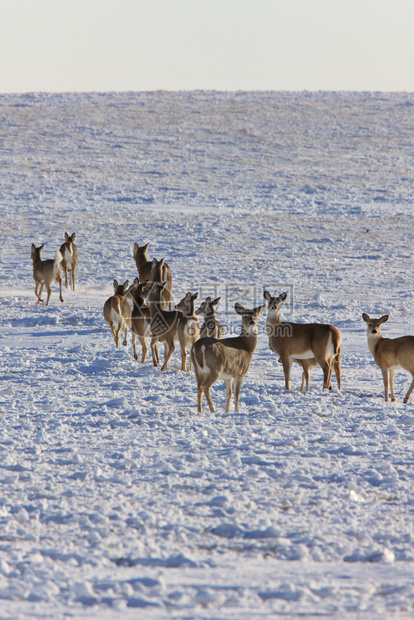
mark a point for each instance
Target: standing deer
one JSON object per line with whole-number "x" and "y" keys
{"x": 158, "y": 273}
{"x": 390, "y": 353}
{"x": 303, "y": 343}
{"x": 188, "y": 327}
{"x": 145, "y": 267}
{"x": 117, "y": 312}
{"x": 45, "y": 271}
{"x": 227, "y": 359}
{"x": 69, "y": 252}
{"x": 140, "y": 318}
{"x": 211, "y": 327}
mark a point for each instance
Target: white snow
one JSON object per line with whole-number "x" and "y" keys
{"x": 116, "y": 497}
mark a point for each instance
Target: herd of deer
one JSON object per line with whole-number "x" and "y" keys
{"x": 211, "y": 354}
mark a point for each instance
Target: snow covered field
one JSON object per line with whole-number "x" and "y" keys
{"x": 119, "y": 500}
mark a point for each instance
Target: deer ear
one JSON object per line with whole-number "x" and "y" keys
{"x": 136, "y": 247}
{"x": 215, "y": 301}
{"x": 258, "y": 311}
{"x": 194, "y": 296}
{"x": 384, "y": 319}
{"x": 145, "y": 247}
{"x": 115, "y": 284}
{"x": 238, "y": 308}
{"x": 282, "y": 296}
{"x": 266, "y": 295}
{"x": 73, "y": 236}
{"x": 365, "y": 317}
{"x": 154, "y": 262}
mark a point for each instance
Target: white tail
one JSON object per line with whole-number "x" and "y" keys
{"x": 390, "y": 354}
{"x": 69, "y": 252}
{"x": 303, "y": 342}
{"x": 117, "y": 312}
{"x": 211, "y": 327}
{"x": 188, "y": 327}
{"x": 145, "y": 269}
{"x": 45, "y": 271}
{"x": 228, "y": 359}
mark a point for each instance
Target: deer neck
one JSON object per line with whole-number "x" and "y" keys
{"x": 209, "y": 316}
{"x": 248, "y": 340}
{"x": 374, "y": 341}
{"x": 273, "y": 317}
{"x": 140, "y": 260}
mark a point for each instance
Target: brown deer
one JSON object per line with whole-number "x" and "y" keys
{"x": 140, "y": 318}
{"x": 145, "y": 266}
{"x": 390, "y": 354}
{"x": 303, "y": 343}
{"x": 163, "y": 323}
{"x": 69, "y": 252}
{"x": 211, "y": 327}
{"x": 117, "y": 312}
{"x": 158, "y": 273}
{"x": 227, "y": 359}
{"x": 188, "y": 327}
{"x": 45, "y": 271}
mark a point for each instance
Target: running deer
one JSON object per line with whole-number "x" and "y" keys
{"x": 211, "y": 327}
{"x": 117, "y": 312}
{"x": 304, "y": 343}
{"x": 188, "y": 327}
{"x": 227, "y": 359}
{"x": 45, "y": 271}
{"x": 140, "y": 318}
{"x": 390, "y": 353}
{"x": 69, "y": 252}
{"x": 145, "y": 266}
{"x": 163, "y": 323}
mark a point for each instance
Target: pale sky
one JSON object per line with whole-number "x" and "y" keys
{"x": 138, "y": 45}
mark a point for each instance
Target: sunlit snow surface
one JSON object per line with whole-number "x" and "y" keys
{"x": 118, "y": 499}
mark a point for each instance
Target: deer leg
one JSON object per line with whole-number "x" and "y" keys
{"x": 337, "y": 368}
{"x": 183, "y": 357}
{"x": 199, "y": 398}
{"x": 228, "y": 384}
{"x": 385, "y": 376}
{"x": 49, "y": 292}
{"x": 154, "y": 352}
{"x": 134, "y": 344}
{"x": 287, "y": 364}
{"x": 39, "y": 294}
{"x": 208, "y": 397}
{"x": 169, "y": 348}
{"x": 237, "y": 387}
{"x": 305, "y": 376}
{"x": 126, "y": 336}
{"x": 143, "y": 343}
{"x": 392, "y": 375}
{"x": 59, "y": 281}
{"x": 410, "y": 389}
